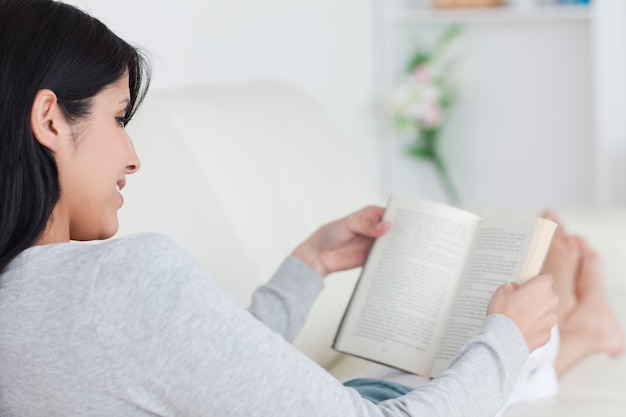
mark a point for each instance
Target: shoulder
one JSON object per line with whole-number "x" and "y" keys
{"x": 144, "y": 256}
{"x": 141, "y": 250}
{"x": 139, "y": 243}
{"x": 77, "y": 261}
{"x": 146, "y": 273}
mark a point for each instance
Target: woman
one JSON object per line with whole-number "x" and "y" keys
{"x": 134, "y": 326}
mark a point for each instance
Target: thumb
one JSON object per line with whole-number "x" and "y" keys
{"x": 507, "y": 287}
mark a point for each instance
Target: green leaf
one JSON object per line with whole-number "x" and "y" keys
{"x": 420, "y": 58}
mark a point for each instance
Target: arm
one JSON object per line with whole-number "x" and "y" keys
{"x": 284, "y": 302}
{"x": 179, "y": 345}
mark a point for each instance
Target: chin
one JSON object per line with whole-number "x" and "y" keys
{"x": 107, "y": 234}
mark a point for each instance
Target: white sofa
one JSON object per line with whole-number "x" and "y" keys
{"x": 239, "y": 174}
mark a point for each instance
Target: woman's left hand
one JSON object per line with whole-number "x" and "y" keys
{"x": 344, "y": 243}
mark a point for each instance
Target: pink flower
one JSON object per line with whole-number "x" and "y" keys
{"x": 431, "y": 116}
{"x": 422, "y": 74}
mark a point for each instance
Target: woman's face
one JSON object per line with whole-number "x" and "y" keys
{"x": 94, "y": 163}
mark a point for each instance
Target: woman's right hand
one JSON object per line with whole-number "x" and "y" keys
{"x": 531, "y": 306}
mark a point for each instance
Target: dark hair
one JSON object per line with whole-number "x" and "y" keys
{"x": 46, "y": 44}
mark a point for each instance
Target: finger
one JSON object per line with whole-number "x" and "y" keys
{"x": 368, "y": 222}
{"x": 508, "y": 287}
{"x": 550, "y": 215}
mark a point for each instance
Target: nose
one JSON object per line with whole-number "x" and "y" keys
{"x": 132, "y": 168}
{"x": 133, "y": 163}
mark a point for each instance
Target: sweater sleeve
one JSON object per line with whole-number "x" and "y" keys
{"x": 481, "y": 377}
{"x": 284, "y": 302}
{"x": 179, "y": 346}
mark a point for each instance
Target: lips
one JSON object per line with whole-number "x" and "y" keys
{"x": 121, "y": 184}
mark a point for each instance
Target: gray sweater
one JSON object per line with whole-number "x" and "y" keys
{"x": 136, "y": 327}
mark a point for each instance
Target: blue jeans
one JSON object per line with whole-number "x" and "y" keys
{"x": 376, "y": 390}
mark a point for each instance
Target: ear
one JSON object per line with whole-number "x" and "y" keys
{"x": 47, "y": 120}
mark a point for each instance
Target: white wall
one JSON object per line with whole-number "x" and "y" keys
{"x": 322, "y": 46}
{"x": 609, "y": 100}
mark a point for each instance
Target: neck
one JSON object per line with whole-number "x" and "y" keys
{"x": 57, "y": 230}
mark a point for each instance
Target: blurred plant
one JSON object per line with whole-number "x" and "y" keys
{"x": 420, "y": 103}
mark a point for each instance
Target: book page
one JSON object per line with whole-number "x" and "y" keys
{"x": 407, "y": 285}
{"x": 499, "y": 255}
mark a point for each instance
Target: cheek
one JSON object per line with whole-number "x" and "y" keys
{"x": 90, "y": 188}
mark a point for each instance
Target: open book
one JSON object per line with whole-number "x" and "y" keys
{"x": 425, "y": 287}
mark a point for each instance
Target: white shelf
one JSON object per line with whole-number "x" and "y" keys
{"x": 490, "y": 15}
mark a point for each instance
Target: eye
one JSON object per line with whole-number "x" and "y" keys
{"x": 122, "y": 121}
